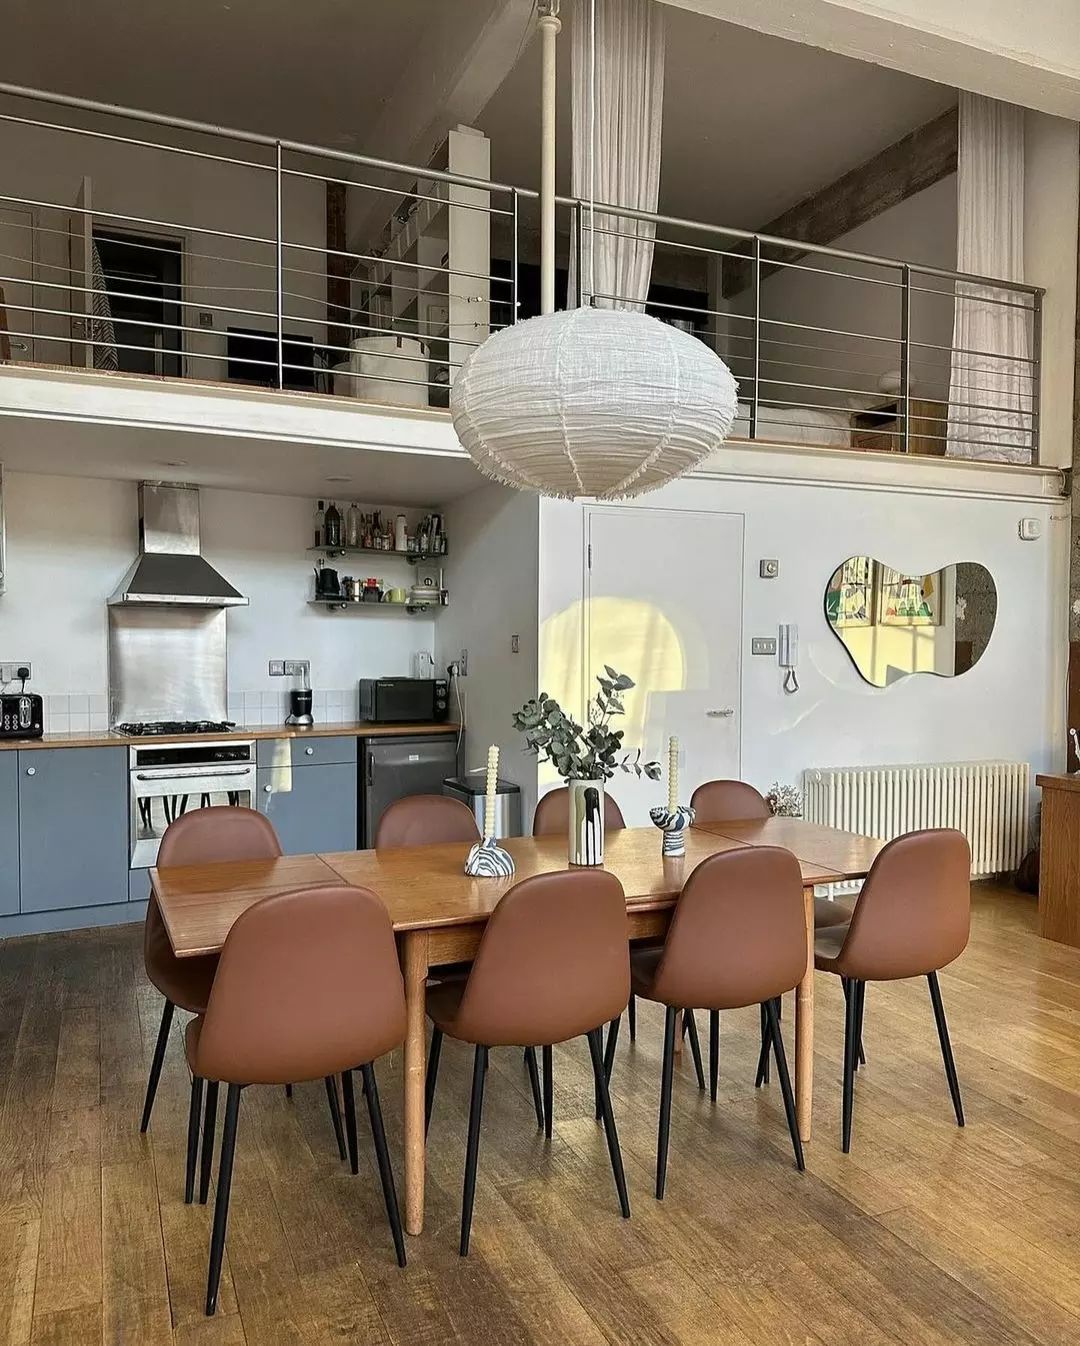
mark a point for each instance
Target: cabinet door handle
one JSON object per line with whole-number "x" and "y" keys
{"x": 310, "y": 752}
{"x": 371, "y": 768}
{"x": 268, "y": 789}
{"x": 31, "y": 770}
{"x": 724, "y": 714}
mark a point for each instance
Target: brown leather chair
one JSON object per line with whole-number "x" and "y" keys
{"x": 912, "y": 918}
{"x": 425, "y": 820}
{"x": 571, "y": 921}
{"x": 308, "y": 987}
{"x": 737, "y": 938}
{"x": 202, "y": 837}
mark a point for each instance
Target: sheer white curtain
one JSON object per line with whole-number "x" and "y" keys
{"x": 623, "y": 128}
{"x": 989, "y": 393}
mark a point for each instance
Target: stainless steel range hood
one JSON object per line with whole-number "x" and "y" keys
{"x": 170, "y": 568}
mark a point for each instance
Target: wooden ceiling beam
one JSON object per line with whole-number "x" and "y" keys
{"x": 912, "y": 164}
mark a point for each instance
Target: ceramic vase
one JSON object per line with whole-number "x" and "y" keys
{"x": 586, "y": 799}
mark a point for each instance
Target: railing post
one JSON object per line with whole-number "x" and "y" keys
{"x": 279, "y": 271}
{"x": 514, "y": 258}
{"x": 755, "y": 401}
{"x": 579, "y": 257}
{"x": 905, "y": 356}
{"x": 1036, "y": 369}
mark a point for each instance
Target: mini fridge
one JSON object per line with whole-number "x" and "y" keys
{"x": 391, "y": 768}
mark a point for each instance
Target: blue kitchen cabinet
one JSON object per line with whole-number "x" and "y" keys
{"x": 9, "y": 833}
{"x": 309, "y": 797}
{"x": 73, "y": 827}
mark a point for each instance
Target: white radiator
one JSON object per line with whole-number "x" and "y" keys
{"x": 987, "y": 801}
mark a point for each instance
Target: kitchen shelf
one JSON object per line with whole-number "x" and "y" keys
{"x": 415, "y": 557}
{"x": 340, "y": 604}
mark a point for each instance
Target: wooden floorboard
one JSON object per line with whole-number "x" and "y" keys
{"x": 924, "y": 1234}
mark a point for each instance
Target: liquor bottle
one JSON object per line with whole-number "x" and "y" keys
{"x": 352, "y": 525}
{"x": 333, "y": 526}
{"x": 320, "y": 525}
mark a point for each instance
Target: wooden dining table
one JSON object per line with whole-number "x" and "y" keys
{"x": 439, "y": 914}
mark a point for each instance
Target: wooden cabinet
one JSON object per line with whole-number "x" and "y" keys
{"x": 73, "y": 827}
{"x": 9, "y": 833}
{"x": 307, "y": 788}
{"x": 1059, "y": 859}
{"x": 881, "y": 428}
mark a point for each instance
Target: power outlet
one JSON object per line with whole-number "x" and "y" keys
{"x": 15, "y": 672}
{"x": 297, "y": 668}
{"x": 277, "y": 668}
{"x": 763, "y": 645}
{"x": 463, "y": 664}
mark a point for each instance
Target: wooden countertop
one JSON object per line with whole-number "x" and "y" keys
{"x": 108, "y": 739}
{"x": 1053, "y": 780}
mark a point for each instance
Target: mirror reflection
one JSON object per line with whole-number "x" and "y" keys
{"x": 893, "y": 624}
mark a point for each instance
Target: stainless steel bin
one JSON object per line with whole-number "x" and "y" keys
{"x": 470, "y": 790}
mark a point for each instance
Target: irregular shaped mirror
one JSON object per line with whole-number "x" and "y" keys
{"x": 892, "y": 623}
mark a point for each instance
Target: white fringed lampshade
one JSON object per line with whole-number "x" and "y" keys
{"x": 596, "y": 402}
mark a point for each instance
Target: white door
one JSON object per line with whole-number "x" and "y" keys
{"x": 16, "y": 279}
{"x": 664, "y": 605}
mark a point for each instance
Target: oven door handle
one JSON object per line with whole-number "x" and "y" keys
{"x": 201, "y": 773}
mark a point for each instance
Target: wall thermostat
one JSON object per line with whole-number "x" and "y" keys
{"x": 1030, "y": 529}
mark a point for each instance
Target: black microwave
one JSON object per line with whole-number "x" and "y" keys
{"x": 404, "y": 700}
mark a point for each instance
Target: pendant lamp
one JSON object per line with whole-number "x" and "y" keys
{"x": 600, "y": 402}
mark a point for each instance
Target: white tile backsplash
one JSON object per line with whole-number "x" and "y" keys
{"x": 74, "y": 712}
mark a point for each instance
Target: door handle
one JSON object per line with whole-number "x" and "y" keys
{"x": 31, "y": 770}
{"x": 724, "y": 714}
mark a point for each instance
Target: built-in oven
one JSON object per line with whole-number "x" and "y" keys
{"x": 170, "y": 779}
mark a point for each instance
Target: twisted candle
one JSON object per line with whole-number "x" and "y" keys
{"x": 489, "y": 794}
{"x": 673, "y": 773}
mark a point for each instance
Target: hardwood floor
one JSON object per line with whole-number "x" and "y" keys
{"x": 924, "y": 1234}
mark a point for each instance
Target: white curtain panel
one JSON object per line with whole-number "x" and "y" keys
{"x": 990, "y": 399}
{"x": 627, "y": 120}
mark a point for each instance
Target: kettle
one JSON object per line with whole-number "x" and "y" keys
{"x": 327, "y": 584}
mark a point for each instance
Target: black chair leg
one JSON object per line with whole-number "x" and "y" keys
{"x": 666, "y": 1079}
{"x": 221, "y": 1203}
{"x": 382, "y": 1154}
{"x": 946, "y": 1046}
{"x": 772, "y": 1011}
{"x": 350, "y": 1119}
{"x": 549, "y": 1091}
{"x": 851, "y": 1037}
{"x": 631, "y": 1018}
{"x": 209, "y": 1127}
{"x": 288, "y": 1091}
{"x": 156, "y": 1063}
{"x": 534, "y": 1084}
{"x": 860, "y": 1055}
{"x": 472, "y": 1150}
{"x": 194, "y": 1110}
{"x": 335, "y": 1113}
{"x": 762, "y": 1076}
{"x": 690, "y": 1029}
{"x": 609, "y": 1062}
{"x": 714, "y": 1052}
{"x": 614, "y": 1152}
{"x": 434, "y": 1052}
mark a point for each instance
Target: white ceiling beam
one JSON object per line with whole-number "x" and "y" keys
{"x": 1027, "y": 53}
{"x": 458, "y": 63}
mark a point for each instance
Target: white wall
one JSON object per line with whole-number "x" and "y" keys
{"x": 70, "y": 540}
{"x": 48, "y": 166}
{"x": 1010, "y": 705}
{"x": 492, "y": 573}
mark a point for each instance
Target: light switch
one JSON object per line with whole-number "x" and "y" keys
{"x": 763, "y": 645}
{"x": 769, "y": 568}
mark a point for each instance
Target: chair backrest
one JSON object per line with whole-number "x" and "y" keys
{"x": 553, "y": 813}
{"x": 553, "y": 963}
{"x": 209, "y": 836}
{"x": 728, "y": 801}
{"x": 308, "y": 985}
{"x": 425, "y": 820}
{"x": 738, "y": 935}
{"x": 205, "y": 837}
{"x": 913, "y": 915}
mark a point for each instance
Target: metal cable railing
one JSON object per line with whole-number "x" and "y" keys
{"x": 241, "y": 282}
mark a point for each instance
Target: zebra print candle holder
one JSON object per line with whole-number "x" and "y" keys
{"x": 488, "y": 860}
{"x": 673, "y": 823}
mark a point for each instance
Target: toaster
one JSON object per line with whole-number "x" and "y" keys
{"x": 21, "y": 715}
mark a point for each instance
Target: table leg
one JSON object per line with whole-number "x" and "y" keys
{"x": 804, "y": 1027}
{"x": 415, "y": 959}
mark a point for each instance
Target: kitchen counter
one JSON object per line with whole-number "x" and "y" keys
{"x": 108, "y": 739}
